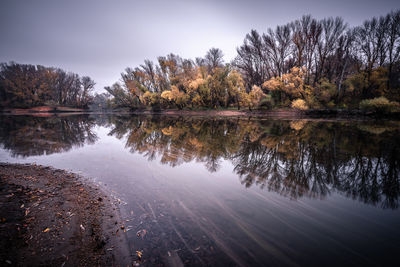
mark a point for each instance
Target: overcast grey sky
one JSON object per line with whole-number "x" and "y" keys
{"x": 101, "y": 38}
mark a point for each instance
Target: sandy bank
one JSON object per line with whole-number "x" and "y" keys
{"x": 50, "y": 217}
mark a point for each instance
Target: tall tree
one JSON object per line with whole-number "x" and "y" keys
{"x": 214, "y": 58}
{"x": 278, "y": 46}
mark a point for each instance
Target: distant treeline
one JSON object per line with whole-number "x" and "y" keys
{"x": 307, "y": 63}
{"x": 24, "y": 86}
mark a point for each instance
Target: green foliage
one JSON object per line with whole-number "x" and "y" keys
{"x": 325, "y": 91}
{"x": 255, "y": 97}
{"x": 122, "y": 98}
{"x": 378, "y": 81}
{"x": 380, "y": 105}
{"x": 312, "y": 101}
{"x": 363, "y": 84}
{"x": 101, "y": 102}
{"x": 266, "y": 103}
{"x": 355, "y": 84}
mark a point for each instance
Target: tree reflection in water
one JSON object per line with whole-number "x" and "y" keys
{"x": 32, "y": 136}
{"x": 294, "y": 158}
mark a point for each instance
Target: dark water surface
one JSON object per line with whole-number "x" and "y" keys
{"x": 233, "y": 191}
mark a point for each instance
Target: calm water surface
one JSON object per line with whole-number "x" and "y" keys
{"x": 233, "y": 191}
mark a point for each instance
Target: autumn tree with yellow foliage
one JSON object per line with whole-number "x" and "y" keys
{"x": 182, "y": 83}
{"x": 289, "y": 86}
{"x": 307, "y": 63}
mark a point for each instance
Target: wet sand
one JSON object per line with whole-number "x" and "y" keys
{"x": 51, "y": 217}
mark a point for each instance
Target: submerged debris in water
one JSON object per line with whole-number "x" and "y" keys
{"x": 141, "y": 233}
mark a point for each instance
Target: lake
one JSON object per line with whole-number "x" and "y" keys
{"x": 234, "y": 191}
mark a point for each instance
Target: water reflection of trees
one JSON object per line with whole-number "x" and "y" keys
{"x": 320, "y": 157}
{"x": 180, "y": 140}
{"x": 293, "y": 158}
{"x": 30, "y": 136}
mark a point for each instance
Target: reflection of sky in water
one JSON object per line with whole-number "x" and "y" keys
{"x": 211, "y": 218}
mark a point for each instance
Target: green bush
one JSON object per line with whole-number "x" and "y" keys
{"x": 380, "y": 105}
{"x": 266, "y": 103}
{"x": 312, "y": 102}
{"x": 325, "y": 92}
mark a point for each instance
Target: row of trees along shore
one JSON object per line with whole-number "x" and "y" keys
{"x": 307, "y": 63}
{"x": 25, "y": 86}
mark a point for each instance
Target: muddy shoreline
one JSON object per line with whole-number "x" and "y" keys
{"x": 51, "y": 217}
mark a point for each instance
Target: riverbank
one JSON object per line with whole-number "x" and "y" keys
{"x": 41, "y": 110}
{"x": 51, "y": 217}
{"x": 279, "y": 113}
{"x": 275, "y": 113}
{"x": 222, "y": 112}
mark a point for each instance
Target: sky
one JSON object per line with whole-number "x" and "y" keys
{"x": 101, "y": 38}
